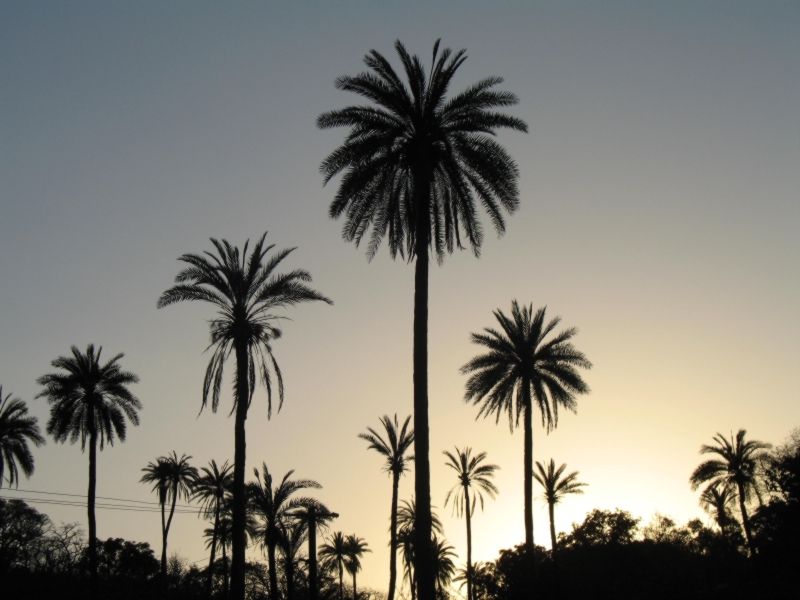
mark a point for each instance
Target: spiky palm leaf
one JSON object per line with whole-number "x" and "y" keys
{"x": 16, "y": 430}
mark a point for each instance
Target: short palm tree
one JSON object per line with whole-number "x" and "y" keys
{"x": 335, "y": 551}
{"x": 222, "y": 535}
{"x": 90, "y": 402}
{"x": 739, "y": 465}
{"x": 355, "y": 548}
{"x": 718, "y": 502}
{"x": 272, "y": 505}
{"x": 416, "y": 163}
{"x": 245, "y": 289}
{"x": 16, "y": 430}
{"x": 443, "y": 566}
{"x": 406, "y": 539}
{"x": 522, "y": 368}
{"x": 315, "y": 516}
{"x": 394, "y": 449}
{"x": 472, "y": 475}
{"x": 172, "y": 478}
{"x": 292, "y": 537}
{"x": 556, "y": 485}
{"x": 213, "y": 489}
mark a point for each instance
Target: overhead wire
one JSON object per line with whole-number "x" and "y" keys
{"x": 131, "y": 505}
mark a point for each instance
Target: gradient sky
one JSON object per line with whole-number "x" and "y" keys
{"x": 660, "y": 188}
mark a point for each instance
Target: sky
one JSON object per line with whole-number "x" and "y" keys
{"x": 659, "y": 187}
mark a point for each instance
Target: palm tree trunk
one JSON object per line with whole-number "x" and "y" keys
{"x": 312, "y": 552}
{"x": 422, "y": 471}
{"x": 469, "y": 544}
{"x": 289, "y": 578}
{"x": 274, "y": 594}
{"x": 341, "y": 582}
{"x": 551, "y": 507}
{"x": 393, "y": 537}
{"x": 528, "y": 460}
{"x": 355, "y": 593}
{"x": 90, "y": 503}
{"x": 225, "y": 581}
{"x": 163, "y": 542}
{"x": 239, "y": 457}
{"x": 746, "y": 521}
{"x": 166, "y": 531}
{"x": 210, "y": 576}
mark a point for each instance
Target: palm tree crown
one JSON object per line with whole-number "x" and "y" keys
{"x": 335, "y": 551}
{"x": 16, "y": 430}
{"x": 556, "y": 486}
{"x": 739, "y": 465}
{"x": 355, "y": 548}
{"x": 415, "y": 164}
{"x": 214, "y": 489}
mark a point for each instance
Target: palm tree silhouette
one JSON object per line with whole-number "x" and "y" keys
{"x": 222, "y": 534}
{"x": 335, "y": 551}
{"x": 471, "y": 475}
{"x": 315, "y": 516}
{"x": 292, "y": 536}
{"x": 406, "y": 538}
{"x": 213, "y": 489}
{"x": 414, "y": 168}
{"x": 443, "y": 566}
{"x": 555, "y": 488}
{"x": 718, "y": 501}
{"x": 393, "y": 449}
{"x": 89, "y": 402}
{"x": 273, "y": 507}
{"x": 739, "y": 465}
{"x": 172, "y": 478}
{"x": 16, "y": 430}
{"x": 244, "y": 289}
{"x": 355, "y": 548}
{"x": 522, "y": 364}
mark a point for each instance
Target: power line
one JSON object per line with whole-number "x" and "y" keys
{"x": 99, "y": 505}
{"x": 186, "y": 506}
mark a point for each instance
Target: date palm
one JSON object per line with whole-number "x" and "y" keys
{"x": 213, "y": 489}
{"x": 472, "y": 475}
{"x": 739, "y": 465}
{"x": 172, "y": 478}
{"x": 315, "y": 516}
{"x": 292, "y": 536}
{"x": 443, "y": 566}
{"x": 718, "y": 501}
{"x": 355, "y": 548}
{"x": 273, "y": 506}
{"x": 89, "y": 401}
{"x": 335, "y": 551}
{"x": 406, "y": 538}
{"x": 415, "y": 164}
{"x": 16, "y": 430}
{"x": 394, "y": 449}
{"x": 245, "y": 289}
{"x": 523, "y": 368}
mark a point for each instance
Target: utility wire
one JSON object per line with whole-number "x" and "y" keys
{"x": 99, "y": 505}
{"x": 187, "y": 506}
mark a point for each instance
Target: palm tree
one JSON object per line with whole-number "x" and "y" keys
{"x": 520, "y": 368}
{"x": 415, "y": 164}
{"x": 16, "y": 430}
{"x": 355, "y": 548}
{"x": 471, "y": 475}
{"x": 91, "y": 402}
{"x": 555, "y": 488}
{"x": 335, "y": 551}
{"x": 172, "y": 478}
{"x": 222, "y": 534}
{"x": 406, "y": 538}
{"x": 273, "y": 506}
{"x": 244, "y": 289}
{"x": 443, "y": 566}
{"x": 292, "y": 536}
{"x": 718, "y": 501}
{"x": 739, "y": 467}
{"x": 393, "y": 449}
{"x": 213, "y": 489}
{"x": 314, "y": 516}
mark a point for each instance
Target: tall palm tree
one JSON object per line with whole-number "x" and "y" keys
{"x": 172, "y": 478}
{"x": 245, "y": 289}
{"x": 415, "y": 165}
{"x": 315, "y": 516}
{"x": 523, "y": 367}
{"x": 213, "y": 489}
{"x": 406, "y": 539}
{"x": 16, "y": 430}
{"x": 335, "y": 551}
{"x": 394, "y": 449}
{"x": 355, "y": 548}
{"x": 89, "y": 402}
{"x": 477, "y": 477}
{"x": 739, "y": 466}
{"x": 556, "y": 486}
{"x": 273, "y": 506}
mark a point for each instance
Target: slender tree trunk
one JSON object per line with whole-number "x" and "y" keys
{"x": 551, "y": 508}
{"x": 746, "y": 521}
{"x": 165, "y": 531}
{"x": 225, "y": 581}
{"x": 355, "y": 593}
{"x": 528, "y": 460}
{"x": 312, "y": 552}
{"x": 274, "y": 594}
{"x": 289, "y": 578}
{"x": 426, "y": 586}
{"x": 341, "y": 581}
{"x": 469, "y": 544}
{"x": 210, "y": 576}
{"x": 240, "y": 454}
{"x": 163, "y": 571}
{"x": 90, "y": 503}
{"x": 393, "y": 537}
